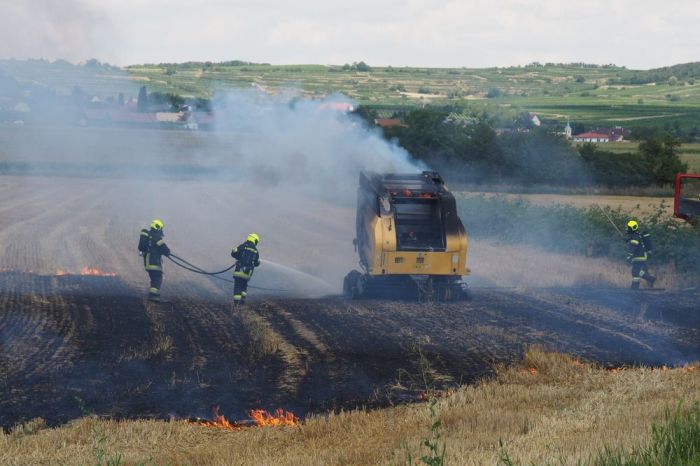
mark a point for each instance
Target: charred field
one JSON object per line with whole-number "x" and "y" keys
{"x": 74, "y": 345}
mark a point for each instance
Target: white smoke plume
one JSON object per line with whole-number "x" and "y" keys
{"x": 68, "y": 29}
{"x": 309, "y": 144}
{"x": 281, "y": 166}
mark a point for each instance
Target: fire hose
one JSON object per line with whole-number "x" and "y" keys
{"x": 180, "y": 262}
{"x": 611, "y": 221}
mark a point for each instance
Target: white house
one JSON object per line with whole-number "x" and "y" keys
{"x": 592, "y": 137}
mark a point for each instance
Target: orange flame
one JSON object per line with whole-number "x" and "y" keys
{"x": 280, "y": 418}
{"x": 91, "y": 271}
{"x": 219, "y": 421}
{"x": 260, "y": 417}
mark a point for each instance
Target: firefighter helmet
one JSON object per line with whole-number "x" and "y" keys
{"x": 632, "y": 225}
{"x": 254, "y": 238}
{"x": 157, "y": 224}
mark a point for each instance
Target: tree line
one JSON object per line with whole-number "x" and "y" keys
{"x": 471, "y": 150}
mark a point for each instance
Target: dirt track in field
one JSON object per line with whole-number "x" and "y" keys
{"x": 73, "y": 345}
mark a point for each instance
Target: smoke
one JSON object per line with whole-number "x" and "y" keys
{"x": 306, "y": 144}
{"x": 284, "y": 167}
{"x": 69, "y": 29}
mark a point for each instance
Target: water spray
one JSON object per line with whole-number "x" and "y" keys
{"x": 611, "y": 221}
{"x": 180, "y": 262}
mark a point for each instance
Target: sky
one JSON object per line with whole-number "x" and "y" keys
{"x": 639, "y": 34}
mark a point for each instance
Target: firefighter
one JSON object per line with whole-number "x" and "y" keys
{"x": 639, "y": 249}
{"x": 247, "y": 258}
{"x": 152, "y": 247}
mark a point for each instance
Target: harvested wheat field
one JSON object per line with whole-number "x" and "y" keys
{"x": 549, "y": 407}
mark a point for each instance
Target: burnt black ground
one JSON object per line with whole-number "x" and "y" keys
{"x": 74, "y": 345}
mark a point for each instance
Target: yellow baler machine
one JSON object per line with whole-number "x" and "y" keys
{"x": 410, "y": 239}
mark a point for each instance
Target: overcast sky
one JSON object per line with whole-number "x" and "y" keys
{"x": 477, "y": 33}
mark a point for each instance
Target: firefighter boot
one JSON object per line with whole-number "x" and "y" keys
{"x": 650, "y": 281}
{"x": 635, "y": 285}
{"x": 153, "y": 294}
{"x": 238, "y": 301}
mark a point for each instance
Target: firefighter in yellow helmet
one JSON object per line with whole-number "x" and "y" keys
{"x": 152, "y": 247}
{"x": 639, "y": 249}
{"x": 247, "y": 259}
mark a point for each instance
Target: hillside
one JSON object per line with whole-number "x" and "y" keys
{"x": 585, "y": 94}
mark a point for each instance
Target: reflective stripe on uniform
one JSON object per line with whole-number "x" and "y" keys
{"x": 148, "y": 265}
{"x": 251, "y": 249}
{"x": 237, "y": 297}
{"x": 241, "y": 274}
{"x": 160, "y": 242}
{"x": 634, "y": 241}
{"x": 144, "y": 233}
{"x": 244, "y": 293}
{"x": 640, "y": 258}
{"x": 153, "y": 290}
{"x": 636, "y": 279}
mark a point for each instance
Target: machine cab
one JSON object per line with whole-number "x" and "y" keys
{"x": 687, "y": 198}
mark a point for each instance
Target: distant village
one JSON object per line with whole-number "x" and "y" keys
{"x": 527, "y": 121}
{"x": 164, "y": 111}
{"x": 78, "y": 109}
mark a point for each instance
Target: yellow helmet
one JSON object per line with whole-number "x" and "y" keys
{"x": 632, "y": 225}
{"x": 157, "y": 224}
{"x": 254, "y": 238}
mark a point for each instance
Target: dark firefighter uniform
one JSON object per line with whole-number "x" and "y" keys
{"x": 639, "y": 248}
{"x": 152, "y": 246}
{"x": 247, "y": 258}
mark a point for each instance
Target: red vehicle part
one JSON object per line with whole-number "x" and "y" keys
{"x": 686, "y": 203}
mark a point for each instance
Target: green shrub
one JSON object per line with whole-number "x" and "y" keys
{"x": 676, "y": 442}
{"x": 573, "y": 230}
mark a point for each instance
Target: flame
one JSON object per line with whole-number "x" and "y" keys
{"x": 219, "y": 421}
{"x": 280, "y": 418}
{"x": 259, "y": 417}
{"x": 91, "y": 271}
{"x": 530, "y": 370}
